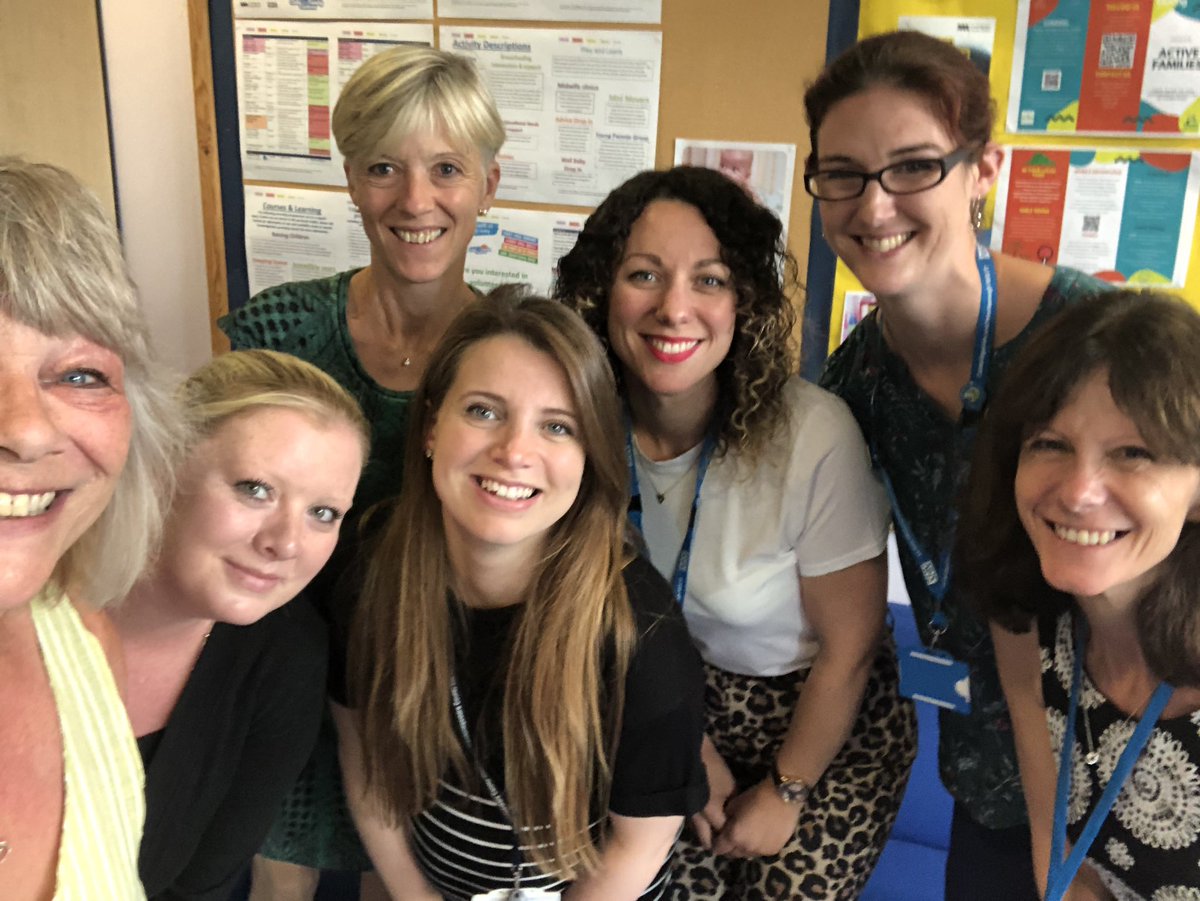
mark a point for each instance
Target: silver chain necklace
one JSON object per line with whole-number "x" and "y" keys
{"x": 1092, "y": 757}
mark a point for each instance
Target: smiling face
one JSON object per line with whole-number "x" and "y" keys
{"x": 419, "y": 198}
{"x": 672, "y": 308}
{"x": 64, "y": 434}
{"x": 507, "y": 458}
{"x": 895, "y": 244}
{"x": 257, "y": 515}
{"x": 1101, "y": 511}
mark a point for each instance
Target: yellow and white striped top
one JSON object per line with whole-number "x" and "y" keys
{"x": 105, "y": 805}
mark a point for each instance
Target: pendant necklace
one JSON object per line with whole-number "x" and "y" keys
{"x": 1092, "y": 757}
{"x": 5, "y": 847}
{"x": 661, "y": 495}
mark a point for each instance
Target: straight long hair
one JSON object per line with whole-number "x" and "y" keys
{"x": 565, "y": 679}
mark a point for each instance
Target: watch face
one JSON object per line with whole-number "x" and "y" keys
{"x": 792, "y": 792}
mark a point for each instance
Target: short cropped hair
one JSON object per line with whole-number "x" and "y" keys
{"x": 62, "y": 273}
{"x": 244, "y": 380}
{"x": 404, "y": 90}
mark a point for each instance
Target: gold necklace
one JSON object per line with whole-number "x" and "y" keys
{"x": 661, "y": 496}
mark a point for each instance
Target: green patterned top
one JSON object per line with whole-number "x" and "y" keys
{"x": 308, "y": 320}
{"x": 927, "y": 458}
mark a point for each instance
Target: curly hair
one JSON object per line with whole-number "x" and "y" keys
{"x": 1146, "y": 343}
{"x": 762, "y": 357}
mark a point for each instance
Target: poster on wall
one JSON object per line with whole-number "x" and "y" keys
{"x": 1106, "y": 68}
{"x": 333, "y": 9}
{"x": 641, "y": 12}
{"x": 295, "y": 233}
{"x": 289, "y": 76}
{"x": 520, "y": 246}
{"x": 765, "y": 171}
{"x": 973, "y": 35}
{"x": 580, "y": 107}
{"x": 1124, "y": 215}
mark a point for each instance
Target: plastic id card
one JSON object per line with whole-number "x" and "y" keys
{"x": 935, "y": 678}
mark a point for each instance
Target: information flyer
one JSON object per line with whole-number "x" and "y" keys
{"x": 302, "y": 233}
{"x": 1110, "y": 68}
{"x": 1123, "y": 215}
{"x": 289, "y": 76}
{"x": 333, "y": 9}
{"x": 294, "y": 234}
{"x": 974, "y": 35}
{"x": 520, "y": 246}
{"x": 580, "y": 107}
{"x": 645, "y": 12}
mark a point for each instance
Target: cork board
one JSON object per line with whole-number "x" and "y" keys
{"x": 734, "y": 73}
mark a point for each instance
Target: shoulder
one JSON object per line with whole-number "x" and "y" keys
{"x": 1068, "y": 286}
{"x": 820, "y": 424}
{"x": 273, "y": 316}
{"x": 846, "y": 372}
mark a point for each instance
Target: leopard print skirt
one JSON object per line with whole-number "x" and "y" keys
{"x": 848, "y": 815}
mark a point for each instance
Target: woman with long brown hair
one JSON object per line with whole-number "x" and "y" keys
{"x": 525, "y": 705}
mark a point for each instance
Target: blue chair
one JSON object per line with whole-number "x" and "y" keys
{"x": 913, "y": 864}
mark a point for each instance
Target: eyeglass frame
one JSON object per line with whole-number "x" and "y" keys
{"x": 947, "y": 163}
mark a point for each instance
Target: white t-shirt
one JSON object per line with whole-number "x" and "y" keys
{"x": 811, "y": 506}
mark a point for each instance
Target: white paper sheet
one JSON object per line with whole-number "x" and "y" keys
{"x": 635, "y": 11}
{"x": 580, "y": 107}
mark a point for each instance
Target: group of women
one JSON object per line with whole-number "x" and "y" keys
{"x": 607, "y": 620}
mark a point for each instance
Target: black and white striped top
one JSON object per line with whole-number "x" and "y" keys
{"x": 464, "y": 842}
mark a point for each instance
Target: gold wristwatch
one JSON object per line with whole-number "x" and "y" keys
{"x": 791, "y": 789}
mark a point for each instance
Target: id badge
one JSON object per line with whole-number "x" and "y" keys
{"x": 518, "y": 894}
{"x": 935, "y": 678}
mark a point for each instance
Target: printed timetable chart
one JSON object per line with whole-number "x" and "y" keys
{"x": 1120, "y": 214}
{"x": 290, "y": 75}
{"x": 1106, "y": 67}
{"x": 284, "y": 101}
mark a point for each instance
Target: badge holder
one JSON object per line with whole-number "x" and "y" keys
{"x": 933, "y": 676}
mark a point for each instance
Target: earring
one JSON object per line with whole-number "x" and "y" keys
{"x": 483, "y": 211}
{"x": 429, "y": 453}
{"x": 977, "y": 206}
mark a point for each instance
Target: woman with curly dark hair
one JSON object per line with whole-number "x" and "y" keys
{"x": 754, "y": 493}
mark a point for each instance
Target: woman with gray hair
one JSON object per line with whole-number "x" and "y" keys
{"x": 88, "y": 439}
{"x": 420, "y": 134}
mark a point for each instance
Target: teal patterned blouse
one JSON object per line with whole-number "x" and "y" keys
{"x": 927, "y": 457}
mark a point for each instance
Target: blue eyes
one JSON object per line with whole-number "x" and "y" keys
{"x": 259, "y": 491}
{"x": 707, "y": 282}
{"x": 557, "y": 428}
{"x": 84, "y": 378}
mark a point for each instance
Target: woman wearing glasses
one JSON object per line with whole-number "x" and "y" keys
{"x": 901, "y": 162}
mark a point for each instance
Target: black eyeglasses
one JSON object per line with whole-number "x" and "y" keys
{"x": 905, "y": 177}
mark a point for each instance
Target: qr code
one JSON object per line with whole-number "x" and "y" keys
{"x": 1051, "y": 79}
{"x": 1116, "y": 50}
{"x": 1091, "y": 225}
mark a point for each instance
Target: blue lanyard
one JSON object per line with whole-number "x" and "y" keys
{"x": 1062, "y": 871}
{"x": 680, "y": 578}
{"x": 973, "y": 396}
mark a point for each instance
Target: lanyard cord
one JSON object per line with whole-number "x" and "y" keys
{"x": 460, "y": 720}
{"x": 973, "y": 395}
{"x": 680, "y": 578}
{"x": 1062, "y": 871}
